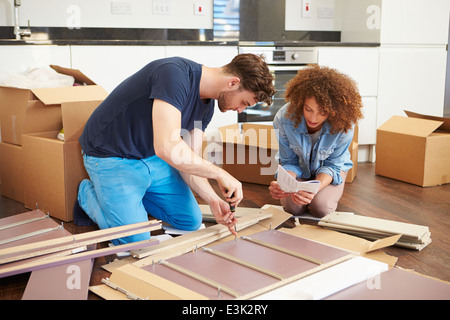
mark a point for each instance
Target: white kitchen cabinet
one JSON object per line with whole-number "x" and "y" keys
{"x": 360, "y": 64}
{"x": 110, "y": 65}
{"x": 19, "y": 59}
{"x": 367, "y": 130}
{"x": 411, "y": 78}
{"x": 210, "y": 56}
{"x": 414, "y": 22}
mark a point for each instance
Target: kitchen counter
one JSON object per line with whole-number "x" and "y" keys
{"x": 160, "y": 37}
{"x": 98, "y": 42}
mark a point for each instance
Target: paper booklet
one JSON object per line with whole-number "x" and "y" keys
{"x": 289, "y": 184}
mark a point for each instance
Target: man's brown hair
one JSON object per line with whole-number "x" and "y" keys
{"x": 254, "y": 74}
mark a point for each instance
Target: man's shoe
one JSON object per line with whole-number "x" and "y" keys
{"x": 80, "y": 217}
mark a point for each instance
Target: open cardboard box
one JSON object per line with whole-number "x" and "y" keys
{"x": 11, "y": 171}
{"x": 15, "y": 101}
{"x": 414, "y": 149}
{"x": 53, "y": 168}
{"x": 249, "y": 154}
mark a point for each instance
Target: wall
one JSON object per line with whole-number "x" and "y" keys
{"x": 361, "y": 20}
{"x": 325, "y": 15}
{"x": 141, "y": 14}
{"x": 98, "y": 13}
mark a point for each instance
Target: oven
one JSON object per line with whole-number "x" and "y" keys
{"x": 284, "y": 63}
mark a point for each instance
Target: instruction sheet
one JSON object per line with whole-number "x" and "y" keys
{"x": 289, "y": 184}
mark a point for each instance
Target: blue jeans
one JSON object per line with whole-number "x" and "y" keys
{"x": 124, "y": 191}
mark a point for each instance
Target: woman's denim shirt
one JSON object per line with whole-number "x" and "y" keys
{"x": 330, "y": 154}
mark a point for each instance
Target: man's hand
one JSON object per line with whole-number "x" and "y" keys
{"x": 231, "y": 188}
{"x": 221, "y": 211}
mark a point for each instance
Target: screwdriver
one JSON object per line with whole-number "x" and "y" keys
{"x": 233, "y": 210}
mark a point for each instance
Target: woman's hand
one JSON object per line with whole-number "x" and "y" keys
{"x": 276, "y": 192}
{"x": 302, "y": 197}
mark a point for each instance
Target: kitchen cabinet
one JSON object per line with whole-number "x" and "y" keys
{"x": 411, "y": 78}
{"x": 18, "y": 59}
{"x": 110, "y": 65}
{"x": 360, "y": 64}
{"x": 412, "y": 57}
{"x": 409, "y": 22}
{"x": 210, "y": 56}
{"x": 414, "y": 21}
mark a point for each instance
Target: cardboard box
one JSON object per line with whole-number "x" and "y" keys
{"x": 414, "y": 149}
{"x": 351, "y": 175}
{"x": 249, "y": 155}
{"x": 11, "y": 171}
{"x": 54, "y": 168}
{"x": 15, "y": 101}
{"x": 353, "y": 148}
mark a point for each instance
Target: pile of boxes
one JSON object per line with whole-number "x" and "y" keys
{"x": 37, "y": 168}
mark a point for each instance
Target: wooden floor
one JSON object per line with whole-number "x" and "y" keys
{"x": 368, "y": 195}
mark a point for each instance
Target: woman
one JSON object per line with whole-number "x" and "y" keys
{"x": 315, "y": 129}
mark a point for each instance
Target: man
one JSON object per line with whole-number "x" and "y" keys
{"x": 134, "y": 153}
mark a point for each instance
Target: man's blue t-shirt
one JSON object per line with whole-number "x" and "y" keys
{"x": 121, "y": 126}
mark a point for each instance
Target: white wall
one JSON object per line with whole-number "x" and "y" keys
{"x": 415, "y": 22}
{"x": 98, "y": 13}
{"x": 393, "y": 22}
{"x": 361, "y": 20}
{"x": 325, "y": 15}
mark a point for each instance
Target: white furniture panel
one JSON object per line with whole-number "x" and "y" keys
{"x": 110, "y": 65}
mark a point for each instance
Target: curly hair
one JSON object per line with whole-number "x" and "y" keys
{"x": 254, "y": 74}
{"x": 336, "y": 94}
